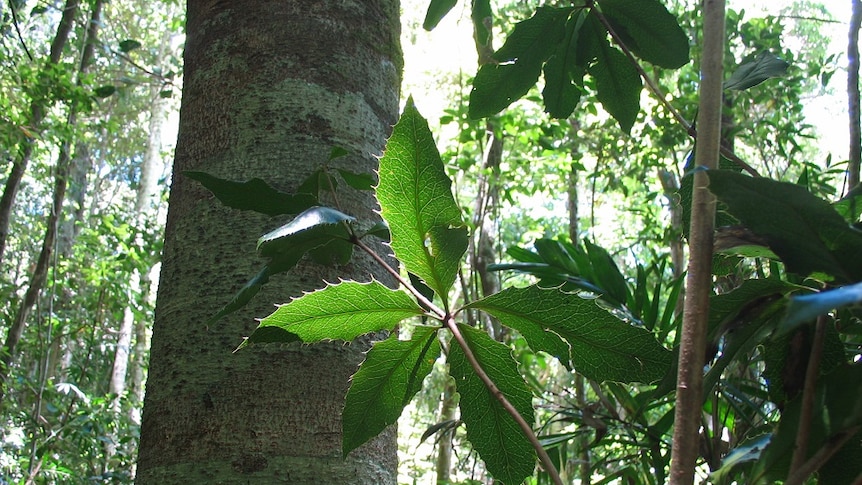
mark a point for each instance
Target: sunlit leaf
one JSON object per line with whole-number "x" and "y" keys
{"x": 387, "y": 380}
{"x": 415, "y": 195}
{"x": 493, "y": 433}
{"x": 343, "y": 312}
{"x": 602, "y": 346}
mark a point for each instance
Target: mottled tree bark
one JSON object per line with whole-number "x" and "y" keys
{"x": 269, "y": 88}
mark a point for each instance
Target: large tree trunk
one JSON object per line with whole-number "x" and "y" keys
{"x": 270, "y": 87}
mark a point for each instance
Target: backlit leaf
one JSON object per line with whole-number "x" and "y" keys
{"x": 519, "y": 62}
{"x": 343, "y": 312}
{"x": 618, "y": 85}
{"x": 755, "y": 71}
{"x": 603, "y": 347}
{"x": 437, "y": 9}
{"x": 493, "y": 433}
{"x": 415, "y": 195}
{"x": 651, "y": 32}
{"x": 387, "y": 380}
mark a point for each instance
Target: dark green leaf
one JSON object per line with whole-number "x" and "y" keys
{"x": 387, "y": 380}
{"x": 560, "y": 94}
{"x": 104, "y": 91}
{"x": 318, "y": 181}
{"x": 803, "y": 230}
{"x": 437, "y": 9}
{"x": 755, "y": 71}
{"x": 359, "y": 181}
{"x": 520, "y": 61}
{"x": 618, "y": 85}
{"x": 602, "y": 346}
{"x": 837, "y": 407}
{"x": 338, "y": 152}
{"x": 415, "y": 195}
{"x": 129, "y": 45}
{"x": 255, "y": 195}
{"x": 166, "y": 93}
{"x": 607, "y": 273}
{"x": 315, "y": 227}
{"x": 343, "y": 312}
{"x": 652, "y": 33}
{"x": 245, "y": 294}
{"x": 493, "y": 433}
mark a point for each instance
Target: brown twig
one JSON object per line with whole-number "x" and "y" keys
{"x": 808, "y": 393}
{"x": 522, "y": 423}
{"x": 662, "y": 98}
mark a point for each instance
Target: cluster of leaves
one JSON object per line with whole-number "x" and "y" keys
{"x": 429, "y": 238}
{"x": 567, "y": 44}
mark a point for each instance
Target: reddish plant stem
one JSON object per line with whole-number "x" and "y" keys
{"x": 803, "y": 434}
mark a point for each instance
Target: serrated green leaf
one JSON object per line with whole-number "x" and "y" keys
{"x": 493, "y": 433}
{"x": 312, "y": 228}
{"x": 561, "y": 94}
{"x": 807, "y": 307}
{"x": 804, "y": 231}
{"x": 437, "y": 9}
{"x": 415, "y": 195}
{"x": 343, "y": 312}
{"x": 519, "y": 62}
{"x": 603, "y": 347}
{"x": 618, "y": 85}
{"x": 755, "y": 71}
{"x": 387, "y": 380}
{"x": 652, "y": 33}
{"x": 254, "y": 195}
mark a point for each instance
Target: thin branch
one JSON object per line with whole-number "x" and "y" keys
{"x": 808, "y": 393}
{"x": 823, "y": 455}
{"x": 18, "y": 30}
{"x": 522, "y": 423}
{"x": 662, "y": 98}
{"x": 437, "y": 311}
{"x": 689, "y": 391}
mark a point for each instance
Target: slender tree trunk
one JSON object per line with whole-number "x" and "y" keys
{"x": 40, "y": 273}
{"x": 38, "y": 107}
{"x": 270, "y": 87}
{"x": 448, "y": 406}
{"x": 689, "y": 390}
{"x": 855, "y": 158}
